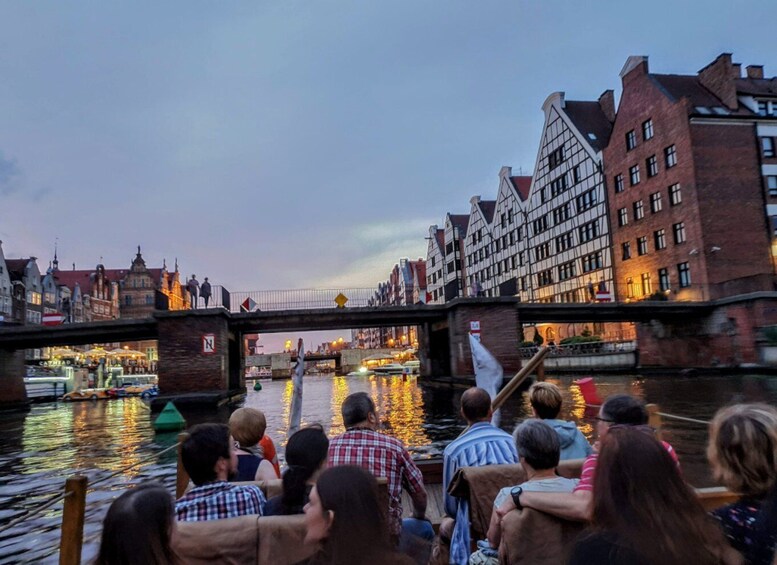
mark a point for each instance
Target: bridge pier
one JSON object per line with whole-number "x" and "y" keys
{"x": 13, "y": 393}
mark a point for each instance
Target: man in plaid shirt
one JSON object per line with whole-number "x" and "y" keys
{"x": 383, "y": 456}
{"x": 209, "y": 457}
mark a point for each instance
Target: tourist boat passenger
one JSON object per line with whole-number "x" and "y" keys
{"x": 247, "y": 426}
{"x": 743, "y": 453}
{"x": 545, "y": 400}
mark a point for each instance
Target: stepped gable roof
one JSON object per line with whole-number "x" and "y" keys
{"x": 522, "y": 186}
{"x": 757, "y": 86}
{"x": 488, "y": 207}
{"x": 460, "y": 221}
{"x": 590, "y": 120}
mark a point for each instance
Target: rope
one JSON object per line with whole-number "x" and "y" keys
{"x": 57, "y": 497}
{"x": 683, "y": 418}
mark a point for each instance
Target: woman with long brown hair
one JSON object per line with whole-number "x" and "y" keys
{"x": 138, "y": 527}
{"x": 643, "y": 511}
{"x": 344, "y": 515}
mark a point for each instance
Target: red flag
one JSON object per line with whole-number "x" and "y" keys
{"x": 54, "y": 319}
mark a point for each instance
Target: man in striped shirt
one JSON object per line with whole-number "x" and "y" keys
{"x": 480, "y": 444}
{"x": 209, "y": 457}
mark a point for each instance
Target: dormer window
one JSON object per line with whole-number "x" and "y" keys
{"x": 767, "y": 108}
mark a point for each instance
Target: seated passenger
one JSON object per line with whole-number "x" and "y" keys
{"x": 306, "y": 454}
{"x": 538, "y": 448}
{"x": 209, "y": 457}
{"x": 480, "y": 444}
{"x": 345, "y": 515}
{"x": 138, "y": 527}
{"x": 743, "y": 453}
{"x": 644, "y": 513}
{"x": 269, "y": 452}
{"x": 545, "y": 399}
{"x": 619, "y": 410}
{"x": 247, "y": 426}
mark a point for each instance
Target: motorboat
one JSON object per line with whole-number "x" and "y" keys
{"x": 362, "y": 372}
{"x": 413, "y": 367}
{"x": 389, "y": 369}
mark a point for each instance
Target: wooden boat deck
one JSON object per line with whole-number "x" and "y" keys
{"x": 435, "y": 506}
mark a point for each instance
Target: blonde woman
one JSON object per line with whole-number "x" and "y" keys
{"x": 743, "y": 454}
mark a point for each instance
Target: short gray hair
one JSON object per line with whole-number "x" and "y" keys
{"x": 538, "y": 444}
{"x": 356, "y": 408}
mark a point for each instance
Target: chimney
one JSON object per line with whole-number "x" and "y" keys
{"x": 737, "y": 70}
{"x": 607, "y": 104}
{"x": 505, "y": 172}
{"x": 718, "y": 77}
{"x": 639, "y": 62}
{"x": 755, "y": 71}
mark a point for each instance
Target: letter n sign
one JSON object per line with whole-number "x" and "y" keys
{"x": 209, "y": 343}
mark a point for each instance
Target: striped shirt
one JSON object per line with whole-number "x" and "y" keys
{"x": 383, "y": 456}
{"x": 218, "y": 500}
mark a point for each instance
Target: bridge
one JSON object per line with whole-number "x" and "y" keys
{"x": 187, "y": 365}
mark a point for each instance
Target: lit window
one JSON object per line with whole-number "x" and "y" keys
{"x": 629, "y": 288}
{"x": 679, "y": 232}
{"x": 675, "y": 195}
{"x": 634, "y": 175}
{"x": 631, "y": 140}
{"x": 670, "y": 156}
{"x": 647, "y": 129}
{"x": 659, "y": 238}
{"x": 647, "y": 288}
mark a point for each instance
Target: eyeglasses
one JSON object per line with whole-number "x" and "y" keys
{"x": 604, "y": 419}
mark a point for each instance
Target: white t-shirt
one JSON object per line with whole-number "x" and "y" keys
{"x": 556, "y": 484}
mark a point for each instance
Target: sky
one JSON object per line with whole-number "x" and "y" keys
{"x": 278, "y": 145}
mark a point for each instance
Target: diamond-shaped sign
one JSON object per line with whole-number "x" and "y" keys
{"x": 248, "y": 305}
{"x": 340, "y": 300}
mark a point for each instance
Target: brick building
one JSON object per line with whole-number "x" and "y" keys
{"x": 686, "y": 182}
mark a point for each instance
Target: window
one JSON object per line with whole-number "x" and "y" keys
{"x": 766, "y": 108}
{"x": 555, "y": 158}
{"x": 647, "y": 288}
{"x": 679, "y": 232}
{"x": 558, "y": 186}
{"x": 629, "y": 288}
{"x": 675, "y": 196}
{"x": 592, "y": 261}
{"x": 542, "y": 251}
{"x": 663, "y": 279}
{"x": 540, "y": 224}
{"x": 639, "y": 210}
{"x": 618, "y": 183}
{"x": 521, "y": 259}
{"x": 631, "y": 140}
{"x": 586, "y": 200}
{"x": 523, "y": 283}
{"x": 684, "y": 274}
{"x": 670, "y": 156}
{"x": 561, "y": 214}
{"x": 576, "y": 174}
{"x": 634, "y": 175}
{"x": 767, "y": 144}
{"x": 545, "y": 278}
{"x": 566, "y": 271}
{"x": 564, "y": 242}
{"x": 127, "y": 300}
{"x": 589, "y": 231}
{"x": 771, "y": 184}
{"x": 642, "y": 248}
{"x": 623, "y": 217}
{"x": 659, "y": 238}
{"x": 652, "y": 166}
{"x": 655, "y": 202}
{"x": 647, "y": 129}
{"x": 626, "y": 251}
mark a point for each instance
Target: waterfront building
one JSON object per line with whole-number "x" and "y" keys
{"x": 435, "y": 263}
{"x": 454, "y": 271}
{"x": 477, "y": 247}
{"x": 567, "y": 234}
{"x": 27, "y": 290}
{"x": 88, "y": 295}
{"x": 691, "y": 165}
{"x": 6, "y": 310}
{"x": 142, "y": 290}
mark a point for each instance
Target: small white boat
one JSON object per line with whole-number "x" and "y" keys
{"x": 362, "y": 372}
{"x": 389, "y": 369}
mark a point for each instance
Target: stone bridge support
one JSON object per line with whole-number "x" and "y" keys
{"x": 13, "y": 394}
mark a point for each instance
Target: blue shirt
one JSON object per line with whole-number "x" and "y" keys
{"x": 482, "y": 444}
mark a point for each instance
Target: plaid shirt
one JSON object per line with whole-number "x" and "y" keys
{"x": 383, "y": 456}
{"x": 214, "y": 501}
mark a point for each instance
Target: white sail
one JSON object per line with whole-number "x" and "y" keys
{"x": 488, "y": 371}
{"x": 295, "y": 417}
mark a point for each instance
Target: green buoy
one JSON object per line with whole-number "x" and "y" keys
{"x": 257, "y": 386}
{"x": 169, "y": 420}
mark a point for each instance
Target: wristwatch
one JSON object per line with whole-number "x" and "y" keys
{"x": 515, "y": 492}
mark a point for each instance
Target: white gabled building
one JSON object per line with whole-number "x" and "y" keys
{"x": 454, "y": 273}
{"x": 5, "y": 288}
{"x": 435, "y": 265}
{"x": 568, "y": 240}
{"x": 508, "y": 249}
{"x": 477, "y": 247}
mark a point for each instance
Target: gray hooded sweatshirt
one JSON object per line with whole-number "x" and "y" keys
{"x": 573, "y": 442}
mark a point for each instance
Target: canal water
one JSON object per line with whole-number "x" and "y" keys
{"x": 41, "y": 448}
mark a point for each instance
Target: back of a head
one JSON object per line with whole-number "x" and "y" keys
{"x": 137, "y": 528}
{"x": 538, "y": 444}
{"x": 306, "y": 451}
{"x": 356, "y": 408}
{"x": 475, "y": 404}
{"x": 545, "y": 398}
{"x": 743, "y": 448}
{"x": 247, "y": 426}
{"x": 359, "y": 527}
{"x": 640, "y": 496}
{"x": 202, "y": 449}
{"x": 625, "y": 410}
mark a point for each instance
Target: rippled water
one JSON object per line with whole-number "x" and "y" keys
{"x": 40, "y": 449}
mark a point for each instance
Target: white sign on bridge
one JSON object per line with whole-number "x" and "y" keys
{"x": 209, "y": 343}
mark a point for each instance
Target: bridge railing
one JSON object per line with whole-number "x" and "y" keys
{"x": 296, "y": 299}
{"x": 578, "y": 349}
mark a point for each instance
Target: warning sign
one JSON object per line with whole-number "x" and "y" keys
{"x": 248, "y": 305}
{"x": 209, "y": 343}
{"x": 340, "y": 300}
